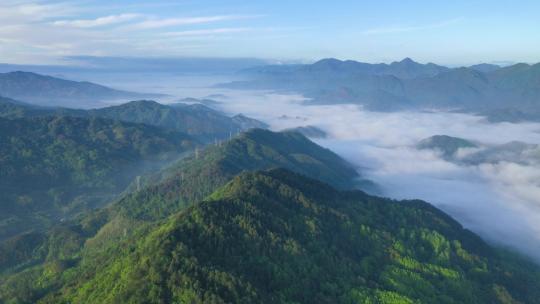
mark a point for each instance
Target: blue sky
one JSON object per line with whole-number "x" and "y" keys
{"x": 446, "y": 32}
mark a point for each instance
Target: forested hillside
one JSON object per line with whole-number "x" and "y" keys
{"x": 196, "y": 120}
{"x": 210, "y": 229}
{"x": 51, "y": 167}
{"x": 278, "y": 237}
{"x": 51, "y": 91}
{"x": 188, "y": 181}
{"x": 194, "y": 178}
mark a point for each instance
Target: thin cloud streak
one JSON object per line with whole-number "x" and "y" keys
{"x": 18, "y": 12}
{"x": 40, "y": 32}
{"x": 206, "y": 32}
{"x": 101, "y": 21}
{"x": 168, "y": 22}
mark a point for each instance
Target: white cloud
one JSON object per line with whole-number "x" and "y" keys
{"x": 206, "y": 32}
{"x": 168, "y": 22}
{"x": 148, "y": 22}
{"x": 500, "y": 201}
{"x": 40, "y": 11}
{"x": 101, "y": 21}
{"x": 40, "y": 32}
{"x": 18, "y": 12}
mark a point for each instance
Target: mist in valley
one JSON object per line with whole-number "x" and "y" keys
{"x": 262, "y": 152}
{"x": 500, "y": 200}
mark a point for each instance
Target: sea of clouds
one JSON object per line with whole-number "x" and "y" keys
{"x": 500, "y": 200}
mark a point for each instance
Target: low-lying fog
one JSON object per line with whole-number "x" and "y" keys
{"x": 498, "y": 200}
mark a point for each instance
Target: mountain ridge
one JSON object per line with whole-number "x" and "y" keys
{"x": 197, "y": 120}
{"x": 57, "y": 166}
{"x": 407, "y": 85}
{"x": 276, "y": 236}
{"x": 52, "y": 91}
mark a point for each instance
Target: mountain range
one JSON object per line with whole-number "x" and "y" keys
{"x": 477, "y": 153}
{"x": 214, "y": 228}
{"x": 150, "y": 203}
{"x": 310, "y": 131}
{"x": 53, "y": 167}
{"x": 267, "y": 237}
{"x": 197, "y": 120}
{"x": 51, "y": 91}
{"x": 446, "y": 145}
{"x": 158, "y": 196}
{"x": 407, "y": 85}
{"x": 58, "y": 162}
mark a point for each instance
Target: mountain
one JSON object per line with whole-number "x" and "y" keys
{"x": 49, "y": 177}
{"x": 309, "y": 131}
{"x": 159, "y": 196}
{"x": 378, "y": 86}
{"x": 460, "y": 88}
{"x": 510, "y": 115}
{"x": 407, "y": 68}
{"x": 54, "y": 167}
{"x": 485, "y": 67}
{"x": 406, "y": 85}
{"x": 279, "y": 237}
{"x": 516, "y": 152}
{"x": 204, "y": 101}
{"x": 197, "y": 120}
{"x": 518, "y": 76}
{"x": 246, "y": 123}
{"x": 513, "y": 152}
{"x": 446, "y": 145}
{"x": 46, "y": 90}
{"x": 194, "y": 178}
{"x": 12, "y": 108}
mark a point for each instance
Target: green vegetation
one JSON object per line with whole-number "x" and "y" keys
{"x": 51, "y": 167}
{"x": 212, "y": 228}
{"x": 196, "y": 120}
{"x": 199, "y": 121}
{"x": 50, "y": 91}
{"x": 191, "y": 180}
{"x": 12, "y": 108}
{"x": 310, "y": 131}
{"x": 194, "y": 178}
{"x": 446, "y": 145}
{"x": 278, "y": 237}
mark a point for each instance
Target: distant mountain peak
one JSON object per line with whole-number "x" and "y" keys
{"x": 407, "y": 60}
{"x": 485, "y": 67}
{"x": 28, "y": 75}
{"x": 47, "y": 90}
{"x": 328, "y": 63}
{"x": 142, "y": 102}
{"x": 446, "y": 145}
